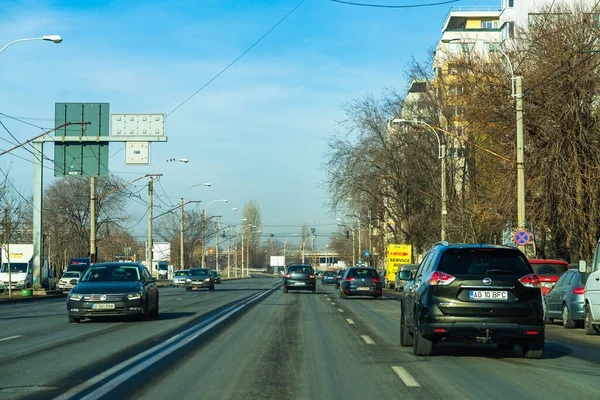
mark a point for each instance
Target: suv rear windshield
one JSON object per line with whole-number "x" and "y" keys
{"x": 550, "y": 269}
{"x": 329, "y": 273}
{"x": 484, "y": 261}
{"x": 362, "y": 273}
{"x": 302, "y": 268}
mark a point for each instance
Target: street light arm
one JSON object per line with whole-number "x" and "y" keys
{"x": 52, "y": 38}
{"x": 193, "y": 186}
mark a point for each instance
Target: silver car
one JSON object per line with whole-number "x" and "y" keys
{"x": 198, "y": 278}
{"x": 179, "y": 278}
{"x": 399, "y": 284}
{"x": 565, "y": 300}
{"x": 69, "y": 280}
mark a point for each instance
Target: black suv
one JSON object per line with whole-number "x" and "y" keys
{"x": 473, "y": 293}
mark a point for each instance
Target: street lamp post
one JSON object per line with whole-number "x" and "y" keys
{"x": 149, "y": 256}
{"x": 442, "y": 157}
{"x": 49, "y": 38}
{"x": 181, "y": 228}
{"x": 517, "y": 89}
{"x": 237, "y": 235}
{"x": 204, "y": 225}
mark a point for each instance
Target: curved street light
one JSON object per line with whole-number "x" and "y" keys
{"x": 50, "y": 38}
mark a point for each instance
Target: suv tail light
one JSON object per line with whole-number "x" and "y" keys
{"x": 375, "y": 280}
{"x": 531, "y": 281}
{"x": 349, "y": 279}
{"x": 441, "y": 279}
{"x": 287, "y": 275}
{"x": 578, "y": 290}
{"x": 311, "y": 276}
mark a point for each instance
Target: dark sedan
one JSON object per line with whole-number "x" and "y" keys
{"x": 216, "y": 275}
{"x": 328, "y": 277}
{"x": 199, "y": 278}
{"x": 300, "y": 277}
{"x": 113, "y": 289}
{"x": 361, "y": 281}
{"x": 339, "y": 276}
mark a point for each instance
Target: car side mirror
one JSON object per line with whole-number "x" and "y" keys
{"x": 582, "y": 266}
{"x": 406, "y": 275}
{"x": 151, "y": 280}
{"x": 73, "y": 282}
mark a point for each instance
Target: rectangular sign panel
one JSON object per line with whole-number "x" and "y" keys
{"x": 277, "y": 261}
{"x": 138, "y": 126}
{"x": 399, "y": 254}
{"x": 85, "y": 158}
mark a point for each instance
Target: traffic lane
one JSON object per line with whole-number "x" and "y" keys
{"x": 71, "y": 348}
{"x": 31, "y": 328}
{"x": 478, "y": 371}
{"x": 290, "y": 346}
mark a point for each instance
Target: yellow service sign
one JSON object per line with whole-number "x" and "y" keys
{"x": 399, "y": 254}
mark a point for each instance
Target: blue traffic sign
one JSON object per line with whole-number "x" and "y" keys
{"x": 522, "y": 238}
{"x": 367, "y": 253}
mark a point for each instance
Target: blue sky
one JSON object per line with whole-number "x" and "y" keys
{"x": 259, "y": 132}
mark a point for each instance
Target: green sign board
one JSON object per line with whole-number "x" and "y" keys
{"x": 85, "y": 158}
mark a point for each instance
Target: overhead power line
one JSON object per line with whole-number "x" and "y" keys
{"x": 350, "y": 3}
{"x": 238, "y": 58}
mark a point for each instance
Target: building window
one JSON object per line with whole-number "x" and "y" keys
{"x": 508, "y": 31}
{"x": 486, "y": 24}
{"x": 456, "y": 90}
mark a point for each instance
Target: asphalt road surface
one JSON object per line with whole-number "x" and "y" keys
{"x": 249, "y": 340}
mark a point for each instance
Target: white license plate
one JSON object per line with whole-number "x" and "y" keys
{"x": 103, "y": 306}
{"x": 488, "y": 295}
{"x": 364, "y": 288}
{"x": 299, "y": 284}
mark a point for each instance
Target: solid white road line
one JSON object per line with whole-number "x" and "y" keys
{"x": 367, "y": 339}
{"x": 349, "y": 321}
{"x": 10, "y": 338}
{"x": 340, "y": 310}
{"x": 406, "y": 377}
{"x": 181, "y": 298}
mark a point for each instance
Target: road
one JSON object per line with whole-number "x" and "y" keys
{"x": 228, "y": 345}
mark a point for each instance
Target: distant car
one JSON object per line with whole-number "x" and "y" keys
{"x": 361, "y": 281}
{"x": 216, "y": 275}
{"x": 299, "y": 277}
{"x": 328, "y": 277}
{"x": 199, "y": 278}
{"x": 69, "y": 280}
{"x": 565, "y": 300}
{"x": 549, "y": 271}
{"x": 399, "y": 284}
{"x": 113, "y": 289}
{"x": 78, "y": 264}
{"x": 179, "y": 277}
{"x": 339, "y": 276}
{"x": 383, "y": 277}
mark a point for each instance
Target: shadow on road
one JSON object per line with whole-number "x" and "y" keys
{"x": 33, "y": 316}
{"x": 491, "y": 351}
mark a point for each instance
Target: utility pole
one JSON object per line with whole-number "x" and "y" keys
{"x": 359, "y": 242}
{"x": 444, "y": 193}
{"x": 6, "y": 242}
{"x": 521, "y": 222}
{"x": 149, "y": 257}
{"x": 353, "y": 248}
{"x": 92, "y": 219}
{"x": 242, "y": 275}
{"x": 370, "y": 238}
{"x": 229, "y": 252}
{"x": 181, "y": 256}
{"x": 217, "y": 244}
{"x": 203, "y": 235}
{"x": 237, "y": 248}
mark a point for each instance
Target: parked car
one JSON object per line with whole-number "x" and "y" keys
{"x": 199, "y": 278}
{"x": 113, "y": 289}
{"x": 383, "y": 277}
{"x": 69, "y": 280}
{"x": 399, "y": 284}
{"x": 328, "y": 277}
{"x": 361, "y": 281}
{"x": 549, "y": 271}
{"x": 565, "y": 301}
{"x": 339, "y": 276}
{"x": 299, "y": 277}
{"x": 216, "y": 275}
{"x": 473, "y": 292}
{"x": 179, "y": 277}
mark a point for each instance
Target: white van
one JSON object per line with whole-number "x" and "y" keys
{"x": 21, "y": 268}
{"x": 591, "y": 295}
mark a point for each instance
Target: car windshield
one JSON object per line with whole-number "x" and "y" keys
{"x": 180, "y": 273}
{"x": 111, "y": 273}
{"x": 549, "y": 269}
{"x": 71, "y": 275}
{"x": 484, "y": 261}
{"x": 199, "y": 272}
{"x": 15, "y": 267}
{"x": 301, "y": 268}
{"x": 362, "y": 273}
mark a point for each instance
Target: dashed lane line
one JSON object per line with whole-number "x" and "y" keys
{"x": 406, "y": 377}
{"x": 367, "y": 339}
{"x": 349, "y": 321}
{"x": 10, "y": 338}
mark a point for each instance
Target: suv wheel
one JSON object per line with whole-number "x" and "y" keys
{"x": 587, "y": 322}
{"x": 534, "y": 348}
{"x": 421, "y": 345}
{"x": 568, "y": 323}
{"x": 405, "y": 338}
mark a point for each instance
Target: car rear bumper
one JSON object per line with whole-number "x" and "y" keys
{"x": 479, "y": 331}
{"x": 370, "y": 292}
{"x": 295, "y": 284}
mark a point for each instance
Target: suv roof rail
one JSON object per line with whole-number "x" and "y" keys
{"x": 441, "y": 243}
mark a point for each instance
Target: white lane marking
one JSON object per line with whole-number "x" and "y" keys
{"x": 367, "y": 339}
{"x": 158, "y": 352}
{"x": 10, "y": 338}
{"x": 327, "y": 298}
{"x": 349, "y": 321}
{"x": 406, "y": 377}
{"x": 340, "y": 310}
{"x": 181, "y": 298}
{"x": 333, "y": 303}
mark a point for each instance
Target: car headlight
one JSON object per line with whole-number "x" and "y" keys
{"x": 75, "y": 296}
{"x": 188, "y": 280}
{"x": 134, "y": 296}
{"x": 21, "y": 282}
{"x": 207, "y": 280}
